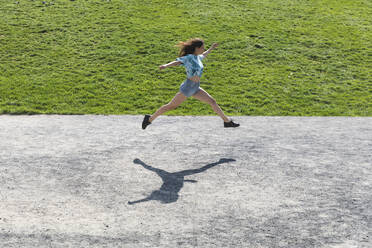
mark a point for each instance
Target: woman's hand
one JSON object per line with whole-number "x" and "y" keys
{"x": 162, "y": 67}
{"x": 214, "y": 45}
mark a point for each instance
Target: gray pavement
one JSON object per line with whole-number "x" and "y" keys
{"x": 102, "y": 181}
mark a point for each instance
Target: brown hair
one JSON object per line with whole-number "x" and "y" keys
{"x": 189, "y": 46}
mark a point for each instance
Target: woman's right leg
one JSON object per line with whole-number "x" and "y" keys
{"x": 176, "y": 101}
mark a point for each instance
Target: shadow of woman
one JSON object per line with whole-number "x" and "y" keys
{"x": 172, "y": 182}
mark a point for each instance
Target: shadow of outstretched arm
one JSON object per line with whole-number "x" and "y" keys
{"x": 160, "y": 172}
{"x": 149, "y": 198}
{"x": 206, "y": 167}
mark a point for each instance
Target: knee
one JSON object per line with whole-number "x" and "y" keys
{"x": 212, "y": 101}
{"x": 170, "y": 106}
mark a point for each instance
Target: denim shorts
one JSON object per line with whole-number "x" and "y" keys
{"x": 189, "y": 87}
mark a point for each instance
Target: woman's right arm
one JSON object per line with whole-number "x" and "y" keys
{"x": 173, "y": 63}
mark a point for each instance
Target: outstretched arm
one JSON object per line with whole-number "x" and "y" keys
{"x": 173, "y": 63}
{"x": 210, "y": 49}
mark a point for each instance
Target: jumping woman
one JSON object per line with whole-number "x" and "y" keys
{"x": 191, "y": 55}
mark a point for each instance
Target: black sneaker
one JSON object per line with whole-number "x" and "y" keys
{"x": 146, "y": 121}
{"x": 231, "y": 124}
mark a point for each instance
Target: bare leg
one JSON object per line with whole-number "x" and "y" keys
{"x": 203, "y": 96}
{"x": 176, "y": 101}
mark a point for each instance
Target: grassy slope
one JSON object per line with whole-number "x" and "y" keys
{"x": 275, "y": 57}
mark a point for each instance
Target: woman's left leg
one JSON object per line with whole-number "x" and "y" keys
{"x": 203, "y": 96}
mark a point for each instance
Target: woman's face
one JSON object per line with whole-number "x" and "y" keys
{"x": 199, "y": 50}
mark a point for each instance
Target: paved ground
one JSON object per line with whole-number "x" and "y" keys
{"x": 102, "y": 181}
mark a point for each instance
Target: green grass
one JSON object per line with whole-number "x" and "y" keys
{"x": 286, "y": 57}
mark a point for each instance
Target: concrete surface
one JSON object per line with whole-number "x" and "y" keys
{"x": 102, "y": 181}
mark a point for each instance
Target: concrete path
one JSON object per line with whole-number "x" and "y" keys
{"x": 102, "y": 181}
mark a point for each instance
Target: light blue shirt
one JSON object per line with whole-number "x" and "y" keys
{"x": 193, "y": 64}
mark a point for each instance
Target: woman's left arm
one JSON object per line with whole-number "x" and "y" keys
{"x": 210, "y": 49}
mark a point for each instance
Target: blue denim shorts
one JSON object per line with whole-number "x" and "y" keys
{"x": 189, "y": 88}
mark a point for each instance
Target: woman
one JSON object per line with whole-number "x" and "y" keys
{"x": 191, "y": 55}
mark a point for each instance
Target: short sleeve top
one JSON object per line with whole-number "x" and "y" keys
{"x": 193, "y": 64}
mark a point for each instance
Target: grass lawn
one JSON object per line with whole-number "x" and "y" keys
{"x": 285, "y": 57}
